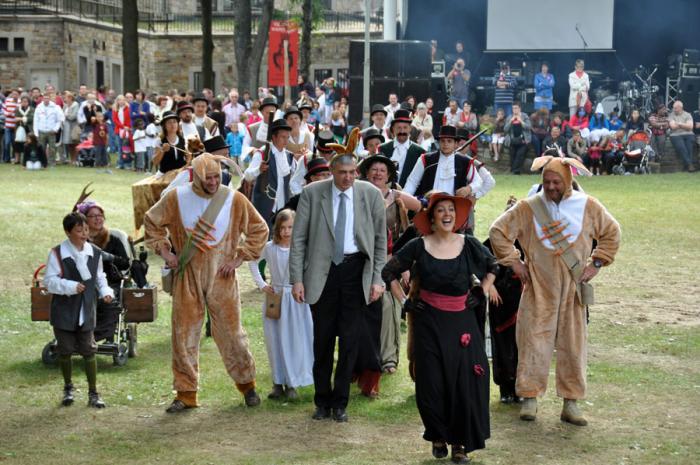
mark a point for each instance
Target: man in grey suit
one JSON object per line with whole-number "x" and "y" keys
{"x": 337, "y": 254}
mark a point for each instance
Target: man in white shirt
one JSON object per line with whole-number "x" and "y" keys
{"x": 444, "y": 170}
{"x": 201, "y": 106}
{"x": 272, "y": 176}
{"x": 393, "y": 106}
{"x": 48, "y": 119}
{"x": 402, "y": 150}
{"x": 185, "y": 111}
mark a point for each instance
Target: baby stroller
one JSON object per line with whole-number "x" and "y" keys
{"x": 86, "y": 152}
{"x": 116, "y": 323}
{"x": 636, "y": 157}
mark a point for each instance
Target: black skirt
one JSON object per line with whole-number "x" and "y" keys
{"x": 452, "y": 377}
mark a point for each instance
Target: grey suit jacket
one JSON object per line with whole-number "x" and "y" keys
{"x": 312, "y": 238}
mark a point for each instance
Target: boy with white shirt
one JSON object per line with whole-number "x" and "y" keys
{"x": 74, "y": 276}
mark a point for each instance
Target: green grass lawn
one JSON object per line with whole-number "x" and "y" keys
{"x": 644, "y": 369}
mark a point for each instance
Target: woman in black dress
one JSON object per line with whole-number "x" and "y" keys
{"x": 450, "y": 365}
{"x": 172, "y": 145}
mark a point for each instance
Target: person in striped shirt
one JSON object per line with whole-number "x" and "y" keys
{"x": 9, "y": 109}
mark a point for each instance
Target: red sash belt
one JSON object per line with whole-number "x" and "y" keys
{"x": 447, "y": 303}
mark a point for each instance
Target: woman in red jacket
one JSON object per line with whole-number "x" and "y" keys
{"x": 122, "y": 128}
{"x": 580, "y": 121}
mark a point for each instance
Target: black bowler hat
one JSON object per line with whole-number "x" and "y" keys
{"x": 371, "y": 133}
{"x": 184, "y": 105}
{"x": 369, "y": 161}
{"x": 462, "y": 134}
{"x": 168, "y": 115}
{"x": 378, "y": 108}
{"x": 324, "y": 137}
{"x": 315, "y": 166}
{"x": 279, "y": 125}
{"x": 306, "y": 105}
{"x": 215, "y": 143}
{"x": 292, "y": 110}
{"x": 200, "y": 98}
{"x": 401, "y": 116}
{"x": 271, "y": 100}
{"x": 448, "y": 132}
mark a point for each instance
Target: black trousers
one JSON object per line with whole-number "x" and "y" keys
{"x": 517, "y": 157}
{"x": 338, "y": 313}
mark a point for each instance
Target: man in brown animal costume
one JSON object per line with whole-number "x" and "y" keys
{"x": 555, "y": 228}
{"x": 203, "y": 248}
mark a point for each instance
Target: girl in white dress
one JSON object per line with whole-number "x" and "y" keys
{"x": 289, "y": 340}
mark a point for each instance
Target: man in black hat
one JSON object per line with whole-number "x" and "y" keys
{"x": 444, "y": 170}
{"x": 201, "y": 106}
{"x": 215, "y": 146}
{"x": 402, "y": 150}
{"x": 378, "y": 117}
{"x": 272, "y": 192}
{"x": 185, "y": 111}
{"x": 256, "y": 136}
{"x": 322, "y": 151}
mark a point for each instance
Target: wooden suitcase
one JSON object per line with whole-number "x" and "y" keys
{"x": 141, "y": 305}
{"x": 41, "y": 304}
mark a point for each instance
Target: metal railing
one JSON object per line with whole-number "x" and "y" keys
{"x": 152, "y": 18}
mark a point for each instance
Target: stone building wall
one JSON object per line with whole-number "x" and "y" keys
{"x": 68, "y": 53}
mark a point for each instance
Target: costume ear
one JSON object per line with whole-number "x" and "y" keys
{"x": 580, "y": 167}
{"x": 353, "y": 140}
{"x": 230, "y": 163}
{"x": 539, "y": 162}
{"x": 337, "y": 148}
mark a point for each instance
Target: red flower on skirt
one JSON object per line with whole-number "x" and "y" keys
{"x": 465, "y": 339}
{"x": 479, "y": 370}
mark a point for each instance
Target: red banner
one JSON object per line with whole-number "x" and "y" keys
{"x": 279, "y": 32}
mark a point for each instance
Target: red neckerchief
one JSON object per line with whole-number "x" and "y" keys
{"x": 579, "y": 73}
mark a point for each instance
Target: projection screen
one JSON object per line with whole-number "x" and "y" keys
{"x": 549, "y": 25}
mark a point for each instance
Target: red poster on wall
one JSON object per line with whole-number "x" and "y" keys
{"x": 279, "y": 31}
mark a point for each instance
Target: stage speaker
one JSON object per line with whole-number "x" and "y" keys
{"x": 415, "y": 60}
{"x": 418, "y": 88}
{"x": 689, "y": 93}
{"x": 355, "y": 101}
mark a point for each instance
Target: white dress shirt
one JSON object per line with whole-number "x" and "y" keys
{"x": 399, "y": 155}
{"x": 190, "y": 129}
{"x": 444, "y": 176}
{"x": 350, "y": 246}
{"x": 55, "y": 284}
{"x": 487, "y": 182}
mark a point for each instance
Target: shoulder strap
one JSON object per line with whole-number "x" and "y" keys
{"x": 214, "y": 207}
{"x": 57, "y": 251}
{"x": 209, "y": 215}
{"x": 557, "y": 239}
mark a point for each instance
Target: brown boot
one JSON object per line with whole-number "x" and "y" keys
{"x": 528, "y": 410}
{"x": 570, "y": 413}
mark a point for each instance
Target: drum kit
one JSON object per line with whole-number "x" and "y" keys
{"x": 637, "y": 93}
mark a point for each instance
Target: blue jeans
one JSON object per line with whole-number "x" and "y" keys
{"x": 684, "y": 148}
{"x": 8, "y": 140}
{"x": 506, "y": 107}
